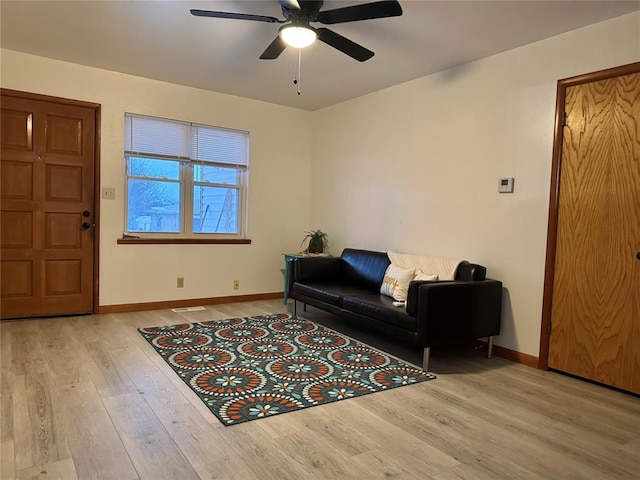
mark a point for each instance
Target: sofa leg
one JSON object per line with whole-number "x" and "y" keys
{"x": 425, "y": 359}
{"x": 489, "y": 347}
{"x": 295, "y": 308}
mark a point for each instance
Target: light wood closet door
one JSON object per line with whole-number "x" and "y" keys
{"x": 595, "y": 318}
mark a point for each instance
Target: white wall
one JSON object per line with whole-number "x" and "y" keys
{"x": 279, "y": 169}
{"x": 414, "y": 168}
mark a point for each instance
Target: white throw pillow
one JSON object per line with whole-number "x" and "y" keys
{"x": 396, "y": 282}
{"x": 420, "y": 275}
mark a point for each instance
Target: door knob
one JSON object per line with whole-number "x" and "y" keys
{"x": 638, "y": 255}
{"x": 86, "y": 213}
{"x": 86, "y": 226}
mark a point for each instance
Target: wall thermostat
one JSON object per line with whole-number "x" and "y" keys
{"x": 505, "y": 185}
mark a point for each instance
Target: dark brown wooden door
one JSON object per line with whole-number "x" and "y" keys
{"x": 596, "y": 292}
{"x": 47, "y": 208}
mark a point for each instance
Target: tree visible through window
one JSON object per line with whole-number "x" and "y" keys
{"x": 184, "y": 179}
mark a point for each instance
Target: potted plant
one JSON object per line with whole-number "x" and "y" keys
{"x": 317, "y": 241}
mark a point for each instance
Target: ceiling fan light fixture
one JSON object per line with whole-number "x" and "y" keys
{"x": 297, "y": 36}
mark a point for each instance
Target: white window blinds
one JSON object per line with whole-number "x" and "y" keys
{"x": 219, "y": 145}
{"x": 172, "y": 139}
{"x": 156, "y": 137}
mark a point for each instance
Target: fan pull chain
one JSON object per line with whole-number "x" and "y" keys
{"x": 296, "y": 80}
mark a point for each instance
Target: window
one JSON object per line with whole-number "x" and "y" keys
{"x": 184, "y": 180}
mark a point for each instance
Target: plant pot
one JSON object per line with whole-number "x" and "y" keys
{"x": 316, "y": 245}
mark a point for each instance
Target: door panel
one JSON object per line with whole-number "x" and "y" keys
{"x": 17, "y": 180}
{"x": 63, "y": 230}
{"x": 17, "y": 129}
{"x": 596, "y": 296}
{"x": 17, "y": 279}
{"x": 63, "y": 183}
{"x": 16, "y": 230}
{"x": 62, "y": 277}
{"x": 48, "y": 156}
{"x": 64, "y": 135}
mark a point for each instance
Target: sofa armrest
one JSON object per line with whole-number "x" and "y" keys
{"x": 316, "y": 268}
{"x": 467, "y": 272}
{"x": 453, "y": 310}
{"x": 412, "y": 295}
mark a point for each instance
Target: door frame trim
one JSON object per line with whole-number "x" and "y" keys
{"x": 554, "y": 195}
{"x": 96, "y": 107}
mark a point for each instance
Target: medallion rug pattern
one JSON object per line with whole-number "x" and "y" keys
{"x": 254, "y": 367}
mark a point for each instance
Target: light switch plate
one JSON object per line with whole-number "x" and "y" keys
{"x": 109, "y": 193}
{"x": 505, "y": 184}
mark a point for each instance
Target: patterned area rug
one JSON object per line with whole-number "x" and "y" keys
{"x": 254, "y": 367}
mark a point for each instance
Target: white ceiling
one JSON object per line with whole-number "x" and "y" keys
{"x": 163, "y": 41}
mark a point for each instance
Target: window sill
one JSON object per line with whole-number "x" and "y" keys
{"x": 183, "y": 241}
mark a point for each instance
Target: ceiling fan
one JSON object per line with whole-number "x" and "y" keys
{"x": 296, "y": 31}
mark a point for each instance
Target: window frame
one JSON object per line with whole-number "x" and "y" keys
{"x": 187, "y": 184}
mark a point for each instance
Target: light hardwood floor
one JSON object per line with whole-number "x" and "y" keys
{"x": 86, "y": 397}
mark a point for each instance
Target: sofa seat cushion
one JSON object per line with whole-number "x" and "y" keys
{"x": 328, "y": 292}
{"x": 379, "y": 307}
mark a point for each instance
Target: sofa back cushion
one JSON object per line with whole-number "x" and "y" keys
{"x": 445, "y": 268}
{"x": 364, "y": 268}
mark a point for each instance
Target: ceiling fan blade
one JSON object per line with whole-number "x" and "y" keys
{"x": 235, "y": 16}
{"x": 343, "y": 44}
{"x": 274, "y": 49}
{"x": 366, "y": 11}
{"x": 290, "y": 4}
{"x": 310, "y": 6}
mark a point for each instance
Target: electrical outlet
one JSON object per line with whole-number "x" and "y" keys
{"x": 109, "y": 193}
{"x": 236, "y": 284}
{"x": 180, "y": 282}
